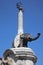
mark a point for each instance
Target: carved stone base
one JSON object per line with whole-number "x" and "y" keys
{"x": 21, "y": 56}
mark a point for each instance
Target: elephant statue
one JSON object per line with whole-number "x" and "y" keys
{"x": 25, "y": 38}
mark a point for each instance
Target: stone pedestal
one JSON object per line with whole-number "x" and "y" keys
{"x": 21, "y": 56}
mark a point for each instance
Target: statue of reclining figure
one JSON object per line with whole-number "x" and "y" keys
{"x": 24, "y": 38}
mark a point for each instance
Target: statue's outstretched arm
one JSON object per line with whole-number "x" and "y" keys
{"x": 35, "y": 38}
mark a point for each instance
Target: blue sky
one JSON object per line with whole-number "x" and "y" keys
{"x": 33, "y": 23}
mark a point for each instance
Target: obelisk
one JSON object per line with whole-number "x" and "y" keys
{"x": 20, "y": 19}
{"x": 20, "y": 25}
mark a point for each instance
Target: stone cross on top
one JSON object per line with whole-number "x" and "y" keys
{"x": 22, "y": 38}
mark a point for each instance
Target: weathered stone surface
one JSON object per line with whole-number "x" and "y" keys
{"x": 22, "y": 53}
